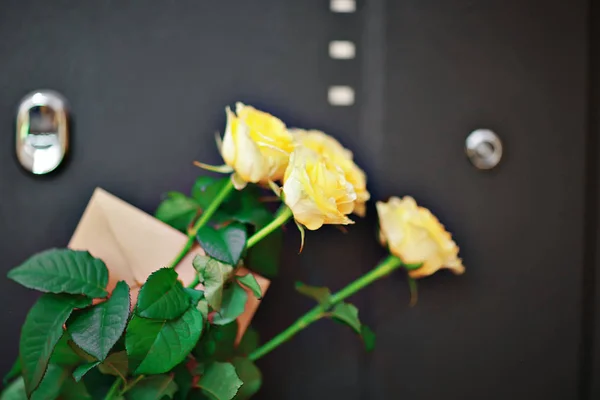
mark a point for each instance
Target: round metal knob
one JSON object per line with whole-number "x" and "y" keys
{"x": 484, "y": 148}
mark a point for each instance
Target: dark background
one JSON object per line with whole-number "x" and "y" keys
{"x": 148, "y": 81}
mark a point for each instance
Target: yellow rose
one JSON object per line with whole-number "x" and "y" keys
{"x": 316, "y": 190}
{"x": 415, "y": 235}
{"x": 256, "y": 145}
{"x": 331, "y": 149}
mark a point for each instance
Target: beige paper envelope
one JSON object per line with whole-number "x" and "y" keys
{"x": 134, "y": 244}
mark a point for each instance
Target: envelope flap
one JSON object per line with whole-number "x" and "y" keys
{"x": 94, "y": 234}
{"x": 146, "y": 243}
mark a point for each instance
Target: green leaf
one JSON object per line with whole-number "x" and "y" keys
{"x": 201, "y": 184}
{"x": 184, "y": 380}
{"x": 15, "y": 371}
{"x": 368, "y": 337}
{"x": 348, "y": 314}
{"x": 162, "y": 296}
{"x": 83, "y": 369}
{"x": 97, "y": 329}
{"x": 250, "y": 375}
{"x": 204, "y": 192}
{"x": 213, "y": 274}
{"x": 250, "y": 342}
{"x": 155, "y": 347}
{"x": 220, "y": 381}
{"x": 234, "y": 303}
{"x": 64, "y": 353}
{"x": 265, "y": 256}
{"x": 50, "y": 387}
{"x": 194, "y": 295}
{"x": 96, "y": 383}
{"x": 116, "y": 364}
{"x": 225, "y": 244}
{"x": 72, "y": 390}
{"x": 41, "y": 331}
{"x": 218, "y": 343}
{"x": 206, "y": 188}
{"x": 247, "y": 208}
{"x": 223, "y": 337}
{"x": 202, "y": 306}
{"x": 249, "y": 281}
{"x": 82, "y": 354}
{"x": 153, "y": 388}
{"x": 177, "y": 210}
{"x": 63, "y": 271}
{"x": 15, "y": 391}
{"x": 320, "y": 294}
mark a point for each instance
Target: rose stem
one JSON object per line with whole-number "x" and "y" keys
{"x": 383, "y": 269}
{"x": 204, "y": 218}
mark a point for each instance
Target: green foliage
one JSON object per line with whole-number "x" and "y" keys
{"x": 220, "y": 381}
{"x": 250, "y": 282}
{"x": 116, "y": 364}
{"x": 218, "y": 343}
{"x": 55, "y": 385}
{"x": 206, "y": 188}
{"x": 155, "y": 346}
{"x": 155, "y": 387}
{"x": 41, "y": 331}
{"x": 250, "y": 342}
{"x": 15, "y": 391}
{"x": 202, "y": 306}
{"x": 50, "y": 386}
{"x": 177, "y": 210}
{"x": 245, "y": 207}
{"x": 234, "y": 303}
{"x": 183, "y": 378}
{"x": 180, "y": 343}
{"x": 97, "y": 329}
{"x": 250, "y": 375}
{"x": 320, "y": 294}
{"x": 368, "y": 337}
{"x": 14, "y": 371}
{"x": 265, "y": 256}
{"x": 63, "y": 271}
{"x": 83, "y": 369}
{"x": 226, "y": 244}
{"x": 162, "y": 296}
{"x": 65, "y": 353}
{"x": 97, "y": 384}
{"x": 213, "y": 274}
{"x": 194, "y": 295}
{"x": 72, "y": 390}
{"x": 347, "y": 314}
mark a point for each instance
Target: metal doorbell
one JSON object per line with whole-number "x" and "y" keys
{"x": 42, "y": 131}
{"x": 484, "y": 148}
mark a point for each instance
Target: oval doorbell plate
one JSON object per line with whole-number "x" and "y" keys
{"x": 42, "y": 131}
{"x": 484, "y": 148}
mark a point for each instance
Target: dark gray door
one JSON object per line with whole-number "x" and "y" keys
{"x": 148, "y": 81}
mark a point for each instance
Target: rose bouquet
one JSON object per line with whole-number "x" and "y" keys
{"x": 91, "y": 337}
